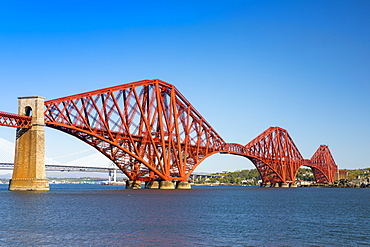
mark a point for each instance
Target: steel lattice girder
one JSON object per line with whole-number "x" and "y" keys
{"x": 323, "y": 165}
{"x": 152, "y": 132}
{"x": 15, "y": 120}
{"x": 277, "y": 158}
{"x": 147, "y": 128}
{"x": 275, "y": 155}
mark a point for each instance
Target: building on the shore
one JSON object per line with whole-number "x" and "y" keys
{"x": 340, "y": 175}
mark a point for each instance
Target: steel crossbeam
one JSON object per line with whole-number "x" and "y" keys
{"x": 15, "y": 120}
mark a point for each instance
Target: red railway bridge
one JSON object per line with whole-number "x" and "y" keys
{"x": 152, "y": 133}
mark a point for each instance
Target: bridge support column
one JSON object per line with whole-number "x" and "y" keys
{"x": 166, "y": 185}
{"x": 183, "y": 185}
{"x": 112, "y": 178}
{"x": 152, "y": 185}
{"x": 267, "y": 184}
{"x": 133, "y": 184}
{"x": 29, "y": 160}
{"x": 284, "y": 185}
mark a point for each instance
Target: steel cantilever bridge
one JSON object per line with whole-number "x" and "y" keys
{"x": 152, "y": 132}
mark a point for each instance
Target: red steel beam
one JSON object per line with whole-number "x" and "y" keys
{"x": 277, "y": 158}
{"x": 323, "y": 165}
{"x": 147, "y": 128}
{"x": 274, "y": 154}
{"x": 152, "y": 132}
{"x": 15, "y": 120}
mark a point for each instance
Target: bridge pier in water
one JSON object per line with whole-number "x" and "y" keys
{"x": 279, "y": 185}
{"x": 112, "y": 176}
{"x": 284, "y": 185}
{"x": 183, "y": 185}
{"x": 152, "y": 185}
{"x": 164, "y": 185}
{"x": 29, "y": 160}
{"x": 133, "y": 184}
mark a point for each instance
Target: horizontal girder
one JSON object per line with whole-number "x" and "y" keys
{"x": 15, "y": 120}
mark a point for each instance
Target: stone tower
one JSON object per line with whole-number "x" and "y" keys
{"x": 29, "y": 161}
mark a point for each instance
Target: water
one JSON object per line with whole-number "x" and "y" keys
{"x": 97, "y": 215}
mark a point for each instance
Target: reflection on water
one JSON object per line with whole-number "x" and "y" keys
{"x": 94, "y": 215}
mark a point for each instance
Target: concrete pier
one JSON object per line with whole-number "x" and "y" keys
{"x": 276, "y": 185}
{"x": 29, "y": 160}
{"x": 183, "y": 185}
{"x": 152, "y": 185}
{"x": 133, "y": 184}
{"x": 284, "y": 185}
{"x": 166, "y": 185}
{"x": 293, "y": 185}
{"x": 265, "y": 185}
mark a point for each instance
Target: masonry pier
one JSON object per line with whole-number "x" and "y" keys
{"x": 166, "y": 185}
{"x": 279, "y": 185}
{"x": 163, "y": 185}
{"x": 183, "y": 185}
{"x": 133, "y": 184}
{"x": 152, "y": 185}
{"x": 284, "y": 185}
{"x": 29, "y": 160}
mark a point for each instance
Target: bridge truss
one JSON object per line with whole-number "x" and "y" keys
{"x": 277, "y": 158}
{"x": 151, "y": 132}
{"x": 147, "y": 128}
{"x": 15, "y": 120}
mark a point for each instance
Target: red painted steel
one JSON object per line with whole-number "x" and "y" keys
{"x": 14, "y": 120}
{"x": 274, "y": 154}
{"x": 151, "y": 132}
{"x": 147, "y": 128}
{"x": 323, "y": 165}
{"x": 277, "y": 158}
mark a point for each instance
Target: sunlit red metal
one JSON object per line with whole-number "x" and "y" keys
{"x": 323, "y": 165}
{"x": 14, "y": 120}
{"x": 274, "y": 154}
{"x": 277, "y": 158}
{"x": 147, "y": 128}
{"x": 151, "y": 132}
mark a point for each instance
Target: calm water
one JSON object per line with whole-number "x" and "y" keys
{"x": 97, "y": 215}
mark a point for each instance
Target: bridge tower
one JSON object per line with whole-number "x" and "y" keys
{"x": 29, "y": 161}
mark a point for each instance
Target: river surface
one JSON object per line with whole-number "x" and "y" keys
{"x": 102, "y": 215}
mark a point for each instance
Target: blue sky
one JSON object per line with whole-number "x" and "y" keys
{"x": 244, "y": 65}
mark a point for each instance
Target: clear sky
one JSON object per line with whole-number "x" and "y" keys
{"x": 244, "y": 65}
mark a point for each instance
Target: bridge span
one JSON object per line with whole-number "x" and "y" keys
{"x": 152, "y": 133}
{"x": 112, "y": 172}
